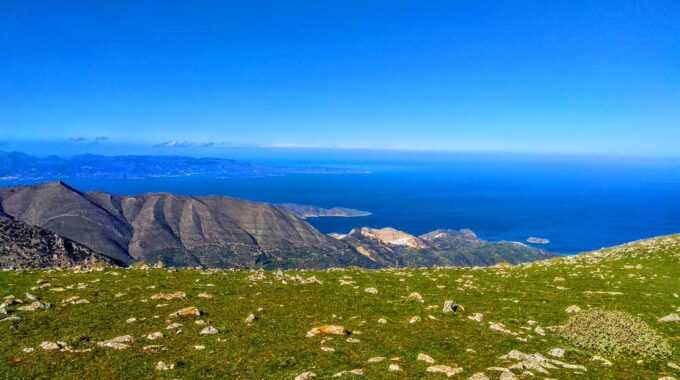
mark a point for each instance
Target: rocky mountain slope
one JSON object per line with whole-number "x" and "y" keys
{"x": 25, "y": 246}
{"x": 226, "y": 232}
{"x": 393, "y": 248}
{"x": 178, "y": 230}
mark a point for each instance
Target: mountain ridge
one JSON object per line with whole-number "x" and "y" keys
{"x": 214, "y": 231}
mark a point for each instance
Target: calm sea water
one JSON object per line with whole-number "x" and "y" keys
{"x": 577, "y": 205}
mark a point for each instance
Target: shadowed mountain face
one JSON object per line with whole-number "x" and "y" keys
{"x": 225, "y": 232}
{"x": 178, "y": 230}
{"x": 26, "y": 246}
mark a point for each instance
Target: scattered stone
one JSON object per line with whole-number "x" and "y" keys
{"x": 35, "y": 306}
{"x": 352, "y": 340}
{"x": 190, "y": 311}
{"x": 425, "y": 358}
{"x": 478, "y": 376}
{"x": 500, "y": 328}
{"x": 328, "y": 330}
{"x": 209, "y": 331}
{"x": 155, "y": 336}
{"x": 118, "y": 343}
{"x": 537, "y": 362}
{"x": 169, "y": 296}
{"x": 199, "y": 348}
{"x": 415, "y": 297}
{"x": 382, "y": 321}
{"x": 10, "y": 318}
{"x": 205, "y": 295}
{"x": 162, "y": 366}
{"x": 174, "y": 326}
{"x": 28, "y": 350}
{"x": 670, "y": 318}
{"x": 477, "y": 317}
{"x": 573, "y": 309}
{"x": 507, "y": 376}
{"x": 376, "y": 359}
{"x": 356, "y": 372}
{"x": 371, "y": 290}
{"x": 556, "y": 352}
{"x": 52, "y": 346}
{"x": 414, "y": 319}
{"x": 539, "y": 330}
{"x": 306, "y": 376}
{"x": 154, "y": 348}
{"x": 674, "y": 366}
{"x": 450, "y": 307}
{"x": 444, "y": 369}
{"x": 131, "y": 320}
{"x": 394, "y": 368}
{"x": 250, "y": 319}
{"x": 327, "y": 349}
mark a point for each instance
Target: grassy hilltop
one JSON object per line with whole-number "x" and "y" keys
{"x": 507, "y": 314}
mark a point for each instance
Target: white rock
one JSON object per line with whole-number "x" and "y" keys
{"x": 556, "y": 352}
{"x": 162, "y": 366}
{"x": 306, "y": 376}
{"x": 371, "y": 290}
{"x": 155, "y": 335}
{"x": 209, "y": 331}
{"x": 425, "y": 358}
{"x": 573, "y": 309}
{"x": 670, "y": 318}
{"x": 394, "y": 368}
{"x": 445, "y": 369}
{"x": 477, "y": 317}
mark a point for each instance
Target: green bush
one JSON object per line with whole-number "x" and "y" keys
{"x": 614, "y": 333}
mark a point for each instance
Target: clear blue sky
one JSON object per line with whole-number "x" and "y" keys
{"x": 598, "y": 77}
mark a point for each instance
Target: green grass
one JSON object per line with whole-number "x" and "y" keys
{"x": 275, "y": 346}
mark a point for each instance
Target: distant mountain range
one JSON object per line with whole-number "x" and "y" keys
{"x": 224, "y": 232}
{"x": 23, "y": 168}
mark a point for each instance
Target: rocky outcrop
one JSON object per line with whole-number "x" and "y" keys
{"x": 393, "y": 248}
{"x": 25, "y": 246}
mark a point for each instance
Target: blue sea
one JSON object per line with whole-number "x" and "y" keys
{"x": 577, "y": 204}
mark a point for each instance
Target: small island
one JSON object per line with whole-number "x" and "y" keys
{"x": 537, "y": 240}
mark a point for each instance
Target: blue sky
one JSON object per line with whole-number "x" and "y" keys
{"x": 583, "y": 77}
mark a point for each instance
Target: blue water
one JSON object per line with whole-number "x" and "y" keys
{"x": 577, "y": 205}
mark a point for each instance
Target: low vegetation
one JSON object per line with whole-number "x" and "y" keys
{"x": 615, "y": 333}
{"x": 606, "y": 314}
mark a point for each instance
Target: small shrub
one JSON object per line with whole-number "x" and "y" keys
{"x": 614, "y": 333}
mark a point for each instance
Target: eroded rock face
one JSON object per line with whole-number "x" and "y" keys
{"x": 391, "y": 236}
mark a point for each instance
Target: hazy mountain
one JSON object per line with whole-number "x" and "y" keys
{"x": 26, "y": 246}
{"x": 306, "y": 211}
{"x": 22, "y": 168}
